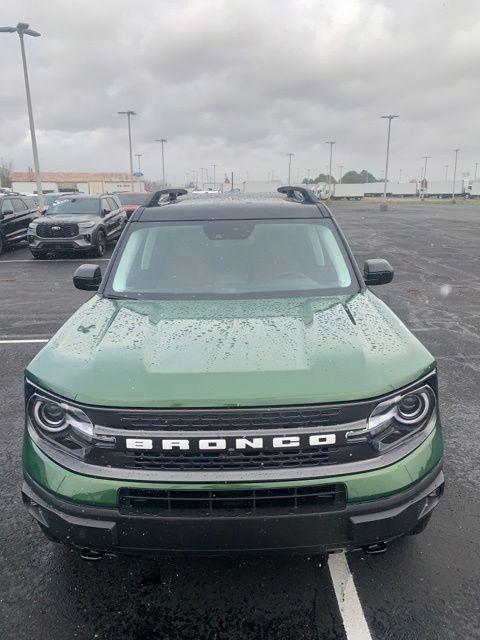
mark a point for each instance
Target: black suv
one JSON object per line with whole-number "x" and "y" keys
{"x": 77, "y": 223}
{"x": 16, "y": 213}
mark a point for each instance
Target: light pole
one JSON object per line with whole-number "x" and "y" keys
{"x": 202, "y": 169}
{"x": 389, "y": 117}
{"x": 454, "y": 173}
{"x": 214, "y": 174}
{"x": 129, "y": 114}
{"x": 446, "y": 172}
{"x": 476, "y": 167}
{"x": 426, "y": 158}
{"x": 331, "y": 143}
{"x": 22, "y": 29}
{"x": 289, "y": 166}
{"x": 162, "y": 142}
{"x": 138, "y": 156}
{"x": 400, "y": 176}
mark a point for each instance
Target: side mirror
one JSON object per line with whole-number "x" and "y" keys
{"x": 104, "y": 212}
{"x": 377, "y": 271}
{"x": 7, "y": 212}
{"x": 87, "y": 277}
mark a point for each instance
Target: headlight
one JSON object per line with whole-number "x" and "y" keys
{"x": 54, "y": 417}
{"x": 397, "y": 418}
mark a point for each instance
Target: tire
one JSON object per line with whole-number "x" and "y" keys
{"x": 421, "y": 525}
{"x": 100, "y": 245}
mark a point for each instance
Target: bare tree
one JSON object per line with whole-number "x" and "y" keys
{"x": 5, "y": 173}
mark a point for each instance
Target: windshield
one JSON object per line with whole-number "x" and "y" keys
{"x": 132, "y": 198}
{"x": 233, "y": 258}
{"x": 75, "y": 205}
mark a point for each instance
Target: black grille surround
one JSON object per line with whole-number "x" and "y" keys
{"x": 231, "y": 502}
{"x": 60, "y": 230}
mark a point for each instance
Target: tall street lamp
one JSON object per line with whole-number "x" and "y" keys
{"x": 289, "y": 166}
{"x": 331, "y": 143}
{"x": 22, "y": 29}
{"x": 389, "y": 117}
{"x": 476, "y": 167}
{"x": 138, "y": 156}
{"x": 162, "y": 142}
{"x": 129, "y": 114}
{"x": 454, "y": 173}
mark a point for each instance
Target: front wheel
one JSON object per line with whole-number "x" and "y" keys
{"x": 100, "y": 245}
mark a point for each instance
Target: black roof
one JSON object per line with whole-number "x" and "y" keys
{"x": 230, "y": 208}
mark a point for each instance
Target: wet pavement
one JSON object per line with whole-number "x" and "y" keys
{"x": 424, "y": 587}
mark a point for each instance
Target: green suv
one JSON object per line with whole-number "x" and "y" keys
{"x": 233, "y": 385}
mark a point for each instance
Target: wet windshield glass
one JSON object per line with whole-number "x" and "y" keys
{"x": 233, "y": 258}
{"x": 75, "y": 205}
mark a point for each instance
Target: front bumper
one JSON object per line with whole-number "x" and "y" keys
{"x": 354, "y": 526}
{"x": 82, "y": 242}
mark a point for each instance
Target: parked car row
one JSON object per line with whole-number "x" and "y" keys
{"x": 70, "y": 223}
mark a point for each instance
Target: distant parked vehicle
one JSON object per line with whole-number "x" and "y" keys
{"x": 50, "y": 198}
{"x": 78, "y": 223}
{"x": 131, "y": 201}
{"x": 16, "y": 213}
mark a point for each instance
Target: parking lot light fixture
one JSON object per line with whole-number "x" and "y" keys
{"x": 129, "y": 114}
{"x": 162, "y": 142}
{"x": 138, "y": 156}
{"x": 388, "y": 117}
{"x": 454, "y": 174}
{"x": 23, "y": 29}
{"x": 331, "y": 143}
{"x": 289, "y": 166}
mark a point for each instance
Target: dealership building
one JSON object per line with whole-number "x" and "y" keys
{"x": 92, "y": 183}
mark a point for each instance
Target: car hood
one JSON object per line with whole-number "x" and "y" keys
{"x": 68, "y": 217}
{"x": 230, "y": 353}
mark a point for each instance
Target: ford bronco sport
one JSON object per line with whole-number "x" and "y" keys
{"x": 233, "y": 385}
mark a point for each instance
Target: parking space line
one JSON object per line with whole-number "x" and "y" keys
{"x": 354, "y": 622}
{"x": 25, "y": 341}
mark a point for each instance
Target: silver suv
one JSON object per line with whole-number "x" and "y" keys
{"x": 78, "y": 223}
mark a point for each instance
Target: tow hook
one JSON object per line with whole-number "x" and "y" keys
{"x": 375, "y": 549}
{"x": 90, "y": 555}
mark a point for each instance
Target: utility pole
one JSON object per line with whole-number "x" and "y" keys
{"x": 454, "y": 173}
{"x": 129, "y": 113}
{"x": 476, "y": 167}
{"x": 138, "y": 156}
{"x": 331, "y": 143}
{"x": 400, "y": 176}
{"x": 446, "y": 172}
{"x": 162, "y": 142}
{"x": 214, "y": 174}
{"x": 289, "y": 166}
{"x": 389, "y": 117}
{"x": 22, "y": 29}
{"x": 202, "y": 169}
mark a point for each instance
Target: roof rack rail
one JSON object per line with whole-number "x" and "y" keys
{"x": 307, "y": 196}
{"x": 173, "y": 194}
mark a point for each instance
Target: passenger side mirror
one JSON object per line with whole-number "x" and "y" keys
{"x": 87, "y": 277}
{"x": 104, "y": 212}
{"x": 377, "y": 271}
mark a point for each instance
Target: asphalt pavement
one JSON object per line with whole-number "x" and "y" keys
{"x": 424, "y": 587}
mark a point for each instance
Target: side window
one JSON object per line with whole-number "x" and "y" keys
{"x": 105, "y": 205}
{"x": 7, "y": 205}
{"x": 19, "y": 205}
{"x": 113, "y": 204}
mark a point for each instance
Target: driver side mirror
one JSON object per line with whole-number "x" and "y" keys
{"x": 87, "y": 277}
{"x": 377, "y": 271}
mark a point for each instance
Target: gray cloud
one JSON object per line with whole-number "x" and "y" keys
{"x": 241, "y": 83}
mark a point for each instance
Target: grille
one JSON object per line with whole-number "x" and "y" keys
{"x": 238, "y": 419}
{"x": 65, "y": 230}
{"x": 236, "y": 502}
{"x": 217, "y": 460}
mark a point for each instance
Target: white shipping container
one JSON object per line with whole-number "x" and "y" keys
{"x": 344, "y": 190}
{"x": 442, "y": 188}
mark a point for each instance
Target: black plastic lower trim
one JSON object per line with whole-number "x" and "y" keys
{"x": 349, "y": 527}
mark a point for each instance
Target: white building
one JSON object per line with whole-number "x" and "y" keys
{"x": 91, "y": 183}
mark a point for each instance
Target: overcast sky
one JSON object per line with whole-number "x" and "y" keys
{"x": 240, "y": 83}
